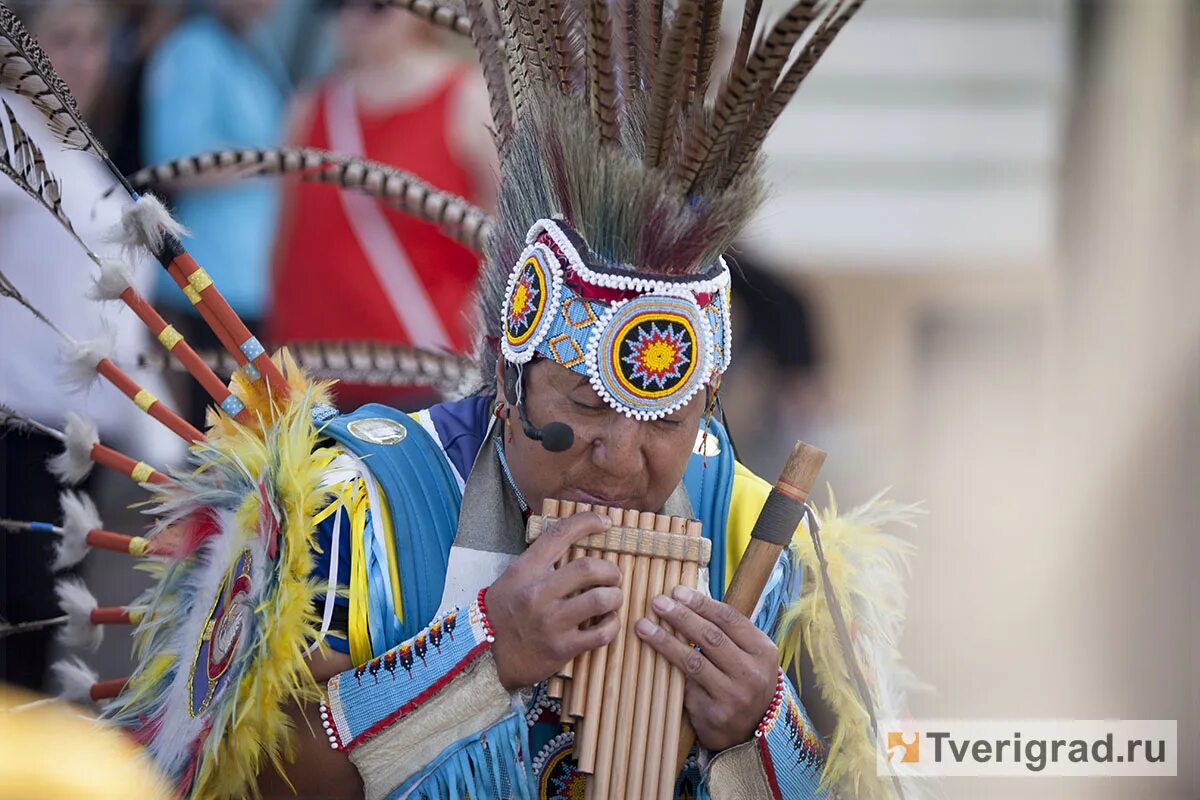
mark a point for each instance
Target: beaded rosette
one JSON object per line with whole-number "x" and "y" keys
{"x": 646, "y": 343}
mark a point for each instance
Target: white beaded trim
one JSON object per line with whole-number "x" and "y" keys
{"x": 328, "y": 725}
{"x": 549, "y": 312}
{"x": 623, "y": 282}
{"x": 593, "y": 362}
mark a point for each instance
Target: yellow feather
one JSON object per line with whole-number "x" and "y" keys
{"x": 865, "y": 567}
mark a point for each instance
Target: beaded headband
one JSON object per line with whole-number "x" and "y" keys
{"x": 646, "y": 343}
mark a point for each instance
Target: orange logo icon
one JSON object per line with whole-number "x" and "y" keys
{"x": 908, "y": 748}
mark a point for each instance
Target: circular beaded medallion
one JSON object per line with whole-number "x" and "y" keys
{"x": 649, "y": 355}
{"x": 530, "y": 302}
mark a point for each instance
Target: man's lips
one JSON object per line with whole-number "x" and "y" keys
{"x": 597, "y": 499}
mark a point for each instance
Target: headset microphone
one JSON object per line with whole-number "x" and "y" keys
{"x": 555, "y": 437}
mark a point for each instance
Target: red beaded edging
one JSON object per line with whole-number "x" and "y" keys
{"x": 768, "y": 720}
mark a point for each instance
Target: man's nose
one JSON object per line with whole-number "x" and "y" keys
{"x": 618, "y": 449}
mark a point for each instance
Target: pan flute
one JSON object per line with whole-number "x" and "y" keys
{"x": 624, "y": 700}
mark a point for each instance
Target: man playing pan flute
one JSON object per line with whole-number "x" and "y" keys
{"x": 390, "y": 548}
{"x": 605, "y": 332}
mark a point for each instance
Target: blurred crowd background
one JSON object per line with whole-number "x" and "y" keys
{"x": 975, "y": 282}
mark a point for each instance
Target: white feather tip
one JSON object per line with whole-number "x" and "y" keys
{"x": 144, "y": 224}
{"x": 79, "y": 517}
{"x": 81, "y": 359}
{"x": 115, "y": 277}
{"x": 78, "y": 603}
{"x": 75, "y": 680}
{"x": 75, "y": 461}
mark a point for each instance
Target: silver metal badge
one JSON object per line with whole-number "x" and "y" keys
{"x": 378, "y": 430}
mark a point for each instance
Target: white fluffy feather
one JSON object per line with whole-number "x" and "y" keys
{"x": 144, "y": 224}
{"x": 115, "y": 278}
{"x": 75, "y": 680}
{"x": 81, "y": 359}
{"x": 78, "y": 603}
{"x": 79, "y": 517}
{"x": 75, "y": 461}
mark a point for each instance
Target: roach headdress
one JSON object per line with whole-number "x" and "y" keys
{"x": 623, "y": 179}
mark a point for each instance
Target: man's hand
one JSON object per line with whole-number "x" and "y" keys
{"x": 537, "y": 611}
{"x": 731, "y": 680}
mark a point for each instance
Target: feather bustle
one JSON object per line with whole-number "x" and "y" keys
{"x": 78, "y": 603}
{"x": 79, "y": 517}
{"x": 667, "y": 82}
{"x": 459, "y": 219}
{"x": 757, "y": 128}
{"x": 442, "y": 14}
{"x": 74, "y": 463}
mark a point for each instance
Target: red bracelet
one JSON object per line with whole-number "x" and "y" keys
{"x": 768, "y": 720}
{"x": 483, "y": 616}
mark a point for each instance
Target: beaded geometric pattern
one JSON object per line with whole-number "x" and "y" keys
{"x": 647, "y": 344}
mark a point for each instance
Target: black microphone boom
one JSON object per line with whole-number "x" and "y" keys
{"x": 555, "y": 437}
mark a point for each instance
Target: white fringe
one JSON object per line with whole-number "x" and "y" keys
{"x": 75, "y": 461}
{"x": 79, "y": 517}
{"x": 144, "y": 224}
{"x": 78, "y": 603}
{"x": 81, "y": 358}
{"x": 75, "y": 680}
{"x": 115, "y": 278}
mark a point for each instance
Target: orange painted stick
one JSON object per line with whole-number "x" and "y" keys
{"x": 236, "y": 330}
{"x": 114, "y": 615}
{"x": 178, "y": 347}
{"x": 106, "y": 690}
{"x": 138, "y": 471}
{"x": 147, "y": 402}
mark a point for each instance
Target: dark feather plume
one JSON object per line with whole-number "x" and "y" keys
{"x": 667, "y": 82}
{"x": 494, "y": 65}
{"x": 759, "y": 125}
{"x": 632, "y": 66}
{"x": 710, "y": 37}
{"x": 602, "y": 81}
{"x": 745, "y": 38}
{"x": 511, "y": 41}
{"x": 442, "y": 14}
{"x": 25, "y": 70}
{"x": 22, "y": 162}
{"x": 456, "y": 217}
{"x": 706, "y": 148}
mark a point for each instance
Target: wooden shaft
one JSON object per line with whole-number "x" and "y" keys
{"x": 138, "y": 471}
{"x": 112, "y": 615}
{"x": 233, "y": 324}
{"x": 178, "y": 347}
{"x": 151, "y": 405}
{"x": 631, "y": 669}
{"x": 673, "y": 726}
{"x": 772, "y": 532}
{"x": 106, "y": 690}
{"x": 206, "y": 313}
{"x": 664, "y": 676}
{"x": 600, "y": 785}
{"x": 588, "y": 733}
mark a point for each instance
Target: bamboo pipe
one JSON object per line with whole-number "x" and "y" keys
{"x": 631, "y": 668}
{"x": 647, "y": 669}
{"x": 556, "y": 686}
{"x": 667, "y": 707}
{"x": 690, "y": 577}
{"x": 773, "y": 530}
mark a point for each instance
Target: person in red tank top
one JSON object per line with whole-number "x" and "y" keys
{"x": 399, "y": 96}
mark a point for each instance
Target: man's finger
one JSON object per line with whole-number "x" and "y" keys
{"x": 556, "y": 539}
{"x": 582, "y": 574}
{"x": 595, "y": 602}
{"x": 737, "y": 627}
{"x": 717, "y": 646}
{"x": 693, "y": 664}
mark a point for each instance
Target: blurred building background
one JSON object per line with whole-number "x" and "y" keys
{"x": 975, "y": 282}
